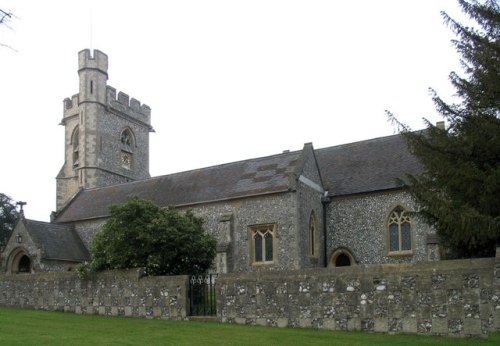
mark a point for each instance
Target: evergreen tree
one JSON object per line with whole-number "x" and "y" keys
{"x": 459, "y": 189}
{"x": 8, "y": 218}
{"x": 161, "y": 240}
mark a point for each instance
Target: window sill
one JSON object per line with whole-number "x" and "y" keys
{"x": 262, "y": 264}
{"x": 400, "y": 253}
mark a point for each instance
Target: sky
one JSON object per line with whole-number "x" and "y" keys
{"x": 226, "y": 80}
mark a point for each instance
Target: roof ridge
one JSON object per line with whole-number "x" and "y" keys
{"x": 359, "y": 142}
{"x": 51, "y": 224}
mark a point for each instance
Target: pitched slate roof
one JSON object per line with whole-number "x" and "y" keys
{"x": 58, "y": 242}
{"x": 366, "y": 166}
{"x": 264, "y": 175}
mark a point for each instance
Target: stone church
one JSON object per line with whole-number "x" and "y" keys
{"x": 335, "y": 206}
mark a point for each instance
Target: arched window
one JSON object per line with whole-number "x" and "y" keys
{"x": 313, "y": 236}
{"x": 127, "y": 146}
{"x": 127, "y": 140}
{"x": 262, "y": 244}
{"x": 342, "y": 257}
{"x": 342, "y": 260}
{"x": 399, "y": 229}
{"x": 75, "y": 144}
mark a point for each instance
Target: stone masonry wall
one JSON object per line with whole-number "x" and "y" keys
{"x": 114, "y": 293}
{"x": 454, "y": 298}
{"x": 359, "y": 224}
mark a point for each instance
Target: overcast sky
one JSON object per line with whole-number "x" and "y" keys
{"x": 226, "y": 80}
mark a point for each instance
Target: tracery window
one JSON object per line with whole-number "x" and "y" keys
{"x": 127, "y": 145}
{"x": 399, "y": 232}
{"x": 127, "y": 139}
{"x": 262, "y": 243}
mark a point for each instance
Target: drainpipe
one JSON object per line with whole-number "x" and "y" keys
{"x": 325, "y": 200}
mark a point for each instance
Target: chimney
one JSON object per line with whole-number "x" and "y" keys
{"x": 440, "y": 125}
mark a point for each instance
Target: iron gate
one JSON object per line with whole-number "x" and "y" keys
{"x": 202, "y": 299}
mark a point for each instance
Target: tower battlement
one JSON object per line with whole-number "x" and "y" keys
{"x": 130, "y": 107}
{"x": 93, "y": 72}
{"x": 98, "y": 60}
{"x": 120, "y": 102}
{"x": 70, "y": 105}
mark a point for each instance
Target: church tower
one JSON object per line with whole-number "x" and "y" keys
{"x": 106, "y": 135}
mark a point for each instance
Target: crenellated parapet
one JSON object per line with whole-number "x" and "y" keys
{"x": 70, "y": 106}
{"x": 120, "y": 102}
{"x": 93, "y": 60}
{"x": 130, "y": 107}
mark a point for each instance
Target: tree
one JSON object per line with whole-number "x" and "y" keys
{"x": 162, "y": 240}
{"x": 8, "y": 218}
{"x": 5, "y": 19}
{"x": 459, "y": 189}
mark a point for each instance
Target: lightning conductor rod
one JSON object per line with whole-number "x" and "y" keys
{"x": 91, "y": 31}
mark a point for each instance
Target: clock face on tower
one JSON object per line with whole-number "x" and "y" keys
{"x": 126, "y": 160}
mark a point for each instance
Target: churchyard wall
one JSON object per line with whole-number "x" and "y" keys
{"x": 454, "y": 298}
{"x": 113, "y": 293}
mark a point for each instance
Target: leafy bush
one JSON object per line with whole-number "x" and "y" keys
{"x": 161, "y": 240}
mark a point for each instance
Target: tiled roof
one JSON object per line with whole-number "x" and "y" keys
{"x": 233, "y": 180}
{"x": 366, "y": 166}
{"x": 58, "y": 242}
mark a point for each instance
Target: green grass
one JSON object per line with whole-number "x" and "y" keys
{"x": 36, "y": 327}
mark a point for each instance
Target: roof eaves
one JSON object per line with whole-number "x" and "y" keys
{"x": 184, "y": 205}
{"x": 76, "y": 260}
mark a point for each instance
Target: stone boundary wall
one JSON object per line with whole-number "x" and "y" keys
{"x": 113, "y": 293}
{"x": 452, "y": 298}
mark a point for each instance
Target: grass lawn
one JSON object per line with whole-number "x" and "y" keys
{"x": 36, "y": 327}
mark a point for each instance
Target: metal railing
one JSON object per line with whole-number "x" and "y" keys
{"x": 202, "y": 296}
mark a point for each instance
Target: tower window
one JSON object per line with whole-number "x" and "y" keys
{"x": 127, "y": 140}
{"x": 127, "y": 146}
{"x": 75, "y": 141}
